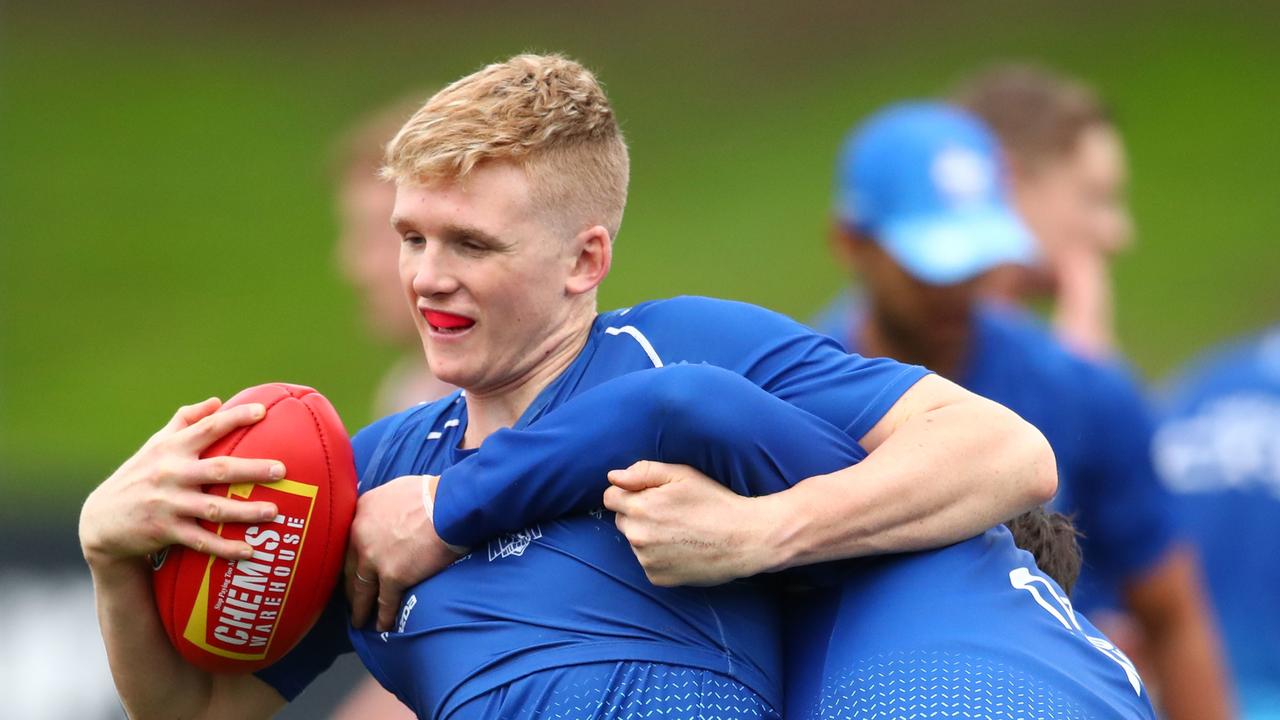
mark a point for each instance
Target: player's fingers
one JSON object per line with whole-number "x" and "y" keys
{"x": 643, "y": 474}
{"x": 620, "y": 522}
{"x": 197, "y": 538}
{"x": 617, "y": 499}
{"x": 210, "y": 428}
{"x": 188, "y": 414}
{"x": 219, "y": 509}
{"x": 389, "y": 594}
{"x": 227, "y": 469}
{"x": 364, "y": 591}
{"x": 362, "y": 586}
{"x": 348, "y": 572}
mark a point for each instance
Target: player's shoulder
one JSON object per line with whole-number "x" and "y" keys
{"x": 685, "y": 312}
{"x": 423, "y": 413}
{"x": 375, "y": 439}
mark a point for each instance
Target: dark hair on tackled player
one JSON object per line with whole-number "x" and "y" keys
{"x": 1053, "y": 540}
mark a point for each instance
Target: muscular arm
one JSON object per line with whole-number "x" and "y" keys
{"x": 944, "y": 464}
{"x": 149, "y": 503}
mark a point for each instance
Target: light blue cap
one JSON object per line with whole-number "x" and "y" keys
{"x": 925, "y": 181}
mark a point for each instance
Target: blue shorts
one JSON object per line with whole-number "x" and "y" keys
{"x": 619, "y": 691}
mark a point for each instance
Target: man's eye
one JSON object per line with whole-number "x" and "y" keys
{"x": 413, "y": 240}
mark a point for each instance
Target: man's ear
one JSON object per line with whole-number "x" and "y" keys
{"x": 592, "y": 256}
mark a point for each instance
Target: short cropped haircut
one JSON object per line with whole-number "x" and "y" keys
{"x": 545, "y": 113}
{"x": 1038, "y": 116}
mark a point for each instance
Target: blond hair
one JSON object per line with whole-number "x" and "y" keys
{"x": 1038, "y": 116}
{"x": 545, "y": 113}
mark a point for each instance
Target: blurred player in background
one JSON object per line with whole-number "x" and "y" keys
{"x": 511, "y": 186}
{"x": 1218, "y": 453}
{"x": 1068, "y": 176}
{"x": 921, "y": 218}
{"x": 1068, "y": 173}
{"x": 367, "y": 252}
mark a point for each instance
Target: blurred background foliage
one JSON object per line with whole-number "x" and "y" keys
{"x": 166, "y": 190}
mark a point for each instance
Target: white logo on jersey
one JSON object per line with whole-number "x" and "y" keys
{"x": 404, "y": 612}
{"x": 1233, "y": 443}
{"x": 1061, "y": 610}
{"x": 513, "y": 544}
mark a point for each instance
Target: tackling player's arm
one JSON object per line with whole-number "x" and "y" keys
{"x": 942, "y": 462}
{"x": 152, "y": 501}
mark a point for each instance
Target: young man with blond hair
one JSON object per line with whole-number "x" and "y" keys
{"x": 510, "y": 187}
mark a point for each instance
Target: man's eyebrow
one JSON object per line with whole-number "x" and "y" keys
{"x": 457, "y": 232}
{"x": 453, "y": 232}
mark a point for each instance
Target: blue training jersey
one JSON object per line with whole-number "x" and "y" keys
{"x": 1096, "y": 421}
{"x": 1218, "y": 453}
{"x": 974, "y": 628}
{"x": 562, "y": 591}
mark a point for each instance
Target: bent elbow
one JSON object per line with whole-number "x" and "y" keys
{"x": 1042, "y": 474}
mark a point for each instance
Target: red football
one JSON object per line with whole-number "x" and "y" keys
{"x": 241, "y": 616}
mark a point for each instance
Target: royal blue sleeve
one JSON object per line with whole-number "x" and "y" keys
{"x": 1122, "y": 509}
{"x": 785, "y": 358}
{"x": 698, "y": 415}
{"x": 328, "y": 638}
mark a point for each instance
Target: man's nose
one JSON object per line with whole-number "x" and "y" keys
{"x": 435, "y": 274}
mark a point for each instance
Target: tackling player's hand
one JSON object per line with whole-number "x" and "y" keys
{"x": 153, "y": 500}
{"x": 393, "y": 547}
{"x": 684, "y": 527}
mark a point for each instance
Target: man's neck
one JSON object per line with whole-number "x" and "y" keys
{"x": 877, "y": 339}
{"x": 492, "y": 410}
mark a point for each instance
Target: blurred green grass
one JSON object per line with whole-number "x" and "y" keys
{"x": 165, "y": 210}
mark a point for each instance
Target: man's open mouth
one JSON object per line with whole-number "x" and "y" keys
{"x": 444, "y": 322}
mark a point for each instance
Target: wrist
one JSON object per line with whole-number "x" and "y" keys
{"x": 776, "y": 532}
{"x": 112, "y": 569}
{"x": 430, "y": 483}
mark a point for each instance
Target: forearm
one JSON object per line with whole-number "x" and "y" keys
{"x": 705, "y": 417}
{"x": 152, "y": 679}
{"x": 1182, "y": 640}
{"x": 940, "y": 477}
{"x": 1191, "y": 681}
